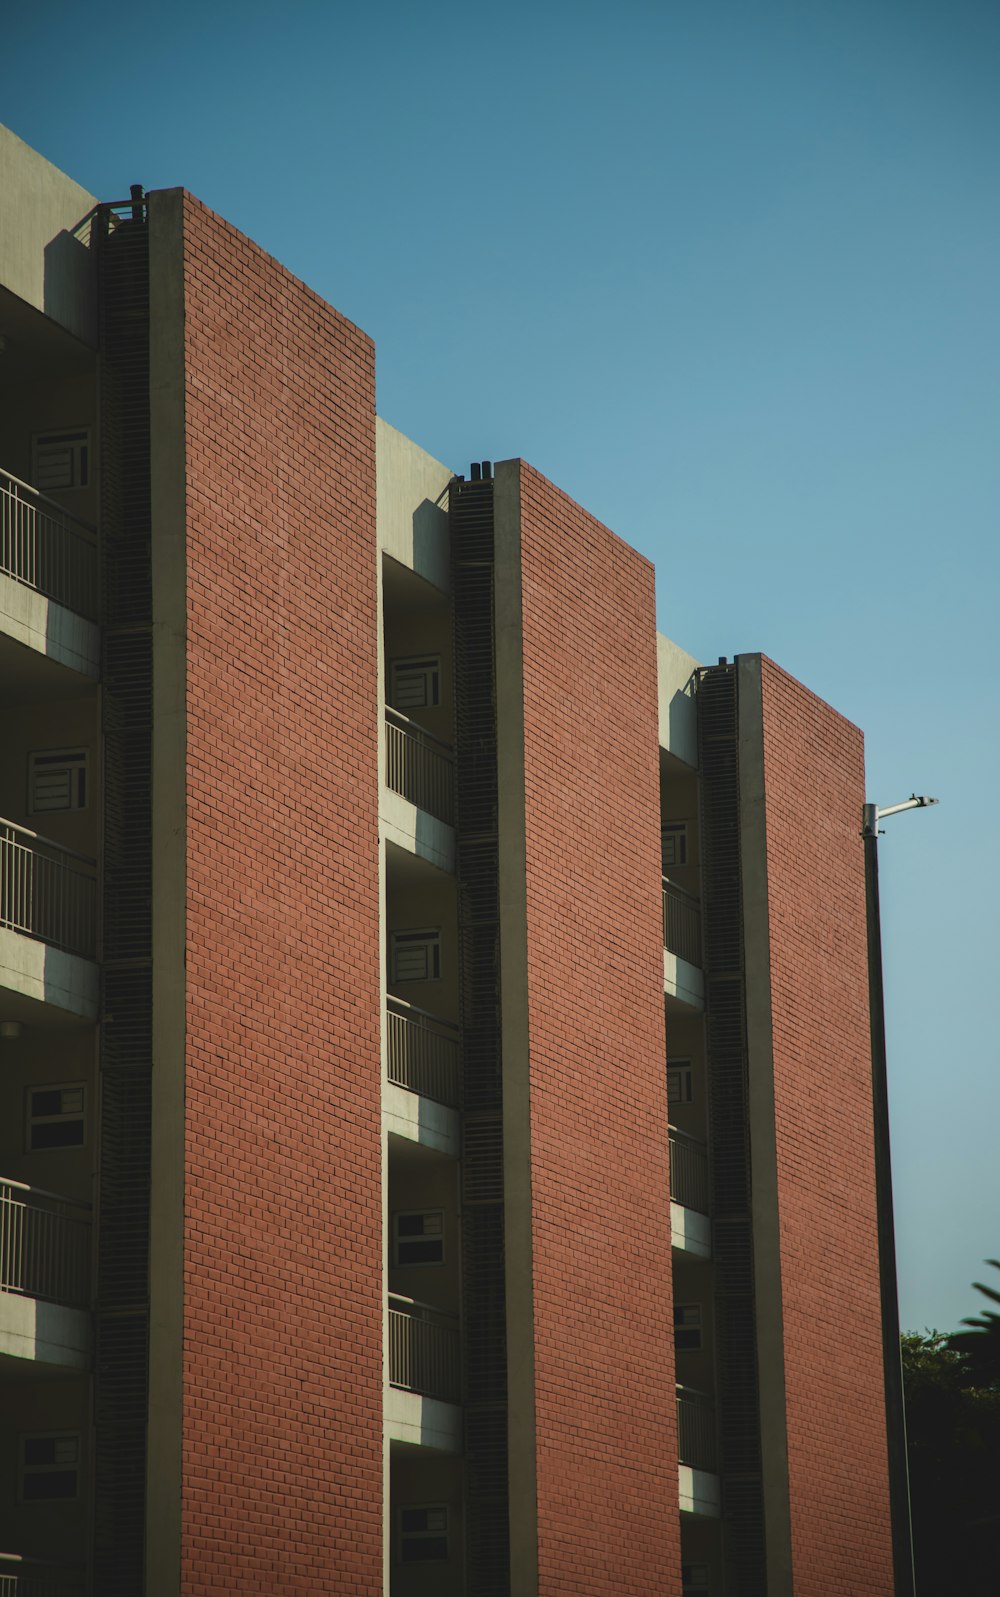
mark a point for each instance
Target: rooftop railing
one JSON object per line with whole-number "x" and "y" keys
{"x": 688, "y": 1170}
{"x": 45, "y": 548}
{"x": 423, "y": 1349}
{"x": 423, "y": 1053}
{"x": 47, "y": 891}
{"x": 695, "y": 1429}
{"x": 419, "y": 766}
{"x": 681, "y": 922}
{"x": 44, "y": 1245}
{"x": 38, "y": 1577}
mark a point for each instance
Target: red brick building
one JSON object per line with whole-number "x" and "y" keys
{"x": 434, "y": 1040}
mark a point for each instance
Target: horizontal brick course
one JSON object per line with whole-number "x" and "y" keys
{"x": 838, "y": 1471}
{"x": 604, "y": 1378}
{"x": 282, "y": 1475}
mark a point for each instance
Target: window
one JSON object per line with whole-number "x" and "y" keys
{"x": 50, "y": 1467}
{"x": 60, "y": 460}
{"x": 674, "y": 838}
{"x": 418, "y": 1238}
{"x": 57, "y": 780}
{"x": 415, "y": 956}
{"x": 687, "y": 1327}
{"x": 55, "y": 1117}
{"x": 415, "y": 684}
{"x": 680, "y": 1081}
{"x": 694, "y": 1580}
{"x": 423, "y": 1534}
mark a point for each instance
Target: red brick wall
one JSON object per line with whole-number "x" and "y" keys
{"x": 282, "y": 1482}
{"x": 838, "y": 1480}
{"x": 604, "y": 1378}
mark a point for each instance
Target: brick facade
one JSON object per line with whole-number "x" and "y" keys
{"x": 605, "y": 1416}
{"x": 814, "y": 781}
{"x": 282, "y": 1418}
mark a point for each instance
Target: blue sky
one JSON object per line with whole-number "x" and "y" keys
{"x": 728, "y": 274}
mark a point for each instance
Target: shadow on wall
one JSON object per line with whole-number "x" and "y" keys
{"x": 70, "y": 282}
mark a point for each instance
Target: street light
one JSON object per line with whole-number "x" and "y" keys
{"x": 899, "y": 1482}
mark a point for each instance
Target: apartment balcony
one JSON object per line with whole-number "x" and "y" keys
{"x": 419, "y": 801}
{"x": 423, "y": 1053}
{"x": 698, "y": 1481}
{"x": 682, "y": 958}
{"x": 48, "y": 921}
{"x": 689, "y": 1201}
{"x": 424, "y": 1371}
{"x": 45, "y": 1264}
{"x": 48, "y": 577}
{"x": 37, "y": 1577}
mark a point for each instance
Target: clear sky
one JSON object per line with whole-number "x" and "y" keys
{"x": 728, "y": 273}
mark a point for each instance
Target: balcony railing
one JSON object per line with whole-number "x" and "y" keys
{"x": 423, "y": 1053}
{"x": 419, "y": 766}
{"x": 44, "y": 1245}
{"x": 688, "y": 1170}
{"x": 681, "y": 923}
{"x": 47, "y": 891}
{"x": 423, "y": 1349}
{"x": 46, "y": 549}
{"x": 695, "y": 1429}
{"x": 37, "y": 1577}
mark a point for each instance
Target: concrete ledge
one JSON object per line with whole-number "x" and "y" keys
{"x": 44, "y": 1332}
{"x": 698, "y": 1492}
{"x": 678, "y": 715}
{"x": 416, "y": 831}
{"x": 411, "y": 492}
{"x": 421, "y": 1421}
{"x": 691, "y": 1232}
{"x": 433, "y": 1125}
{"x": 682, "y": 981}
{"x": 48, "y": 975}
{"x": 49, "y": 628}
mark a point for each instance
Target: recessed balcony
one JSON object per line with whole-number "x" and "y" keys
{"x": 48, "y": 921}
{"x": 423, "y": 1053}
{"x": 418, "y": 808}
{"x": 682, "y": 957}
{"x": 689, "y": 1193}
{"x": 422, "y": 1404}
{"x": 698, "y": 1483}
{"x": 38, "y": 1577}
{"x": 45, "y": 1264}
{"x": 48, "y": 577}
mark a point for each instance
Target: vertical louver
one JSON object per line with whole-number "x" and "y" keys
{"x": 126, "y": 1013}
{"x": 477, "y": 840}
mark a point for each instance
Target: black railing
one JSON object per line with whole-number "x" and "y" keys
{"x": 47, "y": 891}
{"x": 681, "y": 923}
{"x": 688, "y": 1170}
{"x": 695, "y": 1429}
{"x": 45, "y": 548}
{"x": 423, "y": 1053}
{"x": 423, "y": 1349}
{"x": 37, "y": 1577}
{"x": 419, "y": 766}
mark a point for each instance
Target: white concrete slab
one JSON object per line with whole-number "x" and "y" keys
{"x": 416, "y": 831}
{"x": 691, "y": 1232}
{"x": 682, "y": 981}
{"x": 699, "y": 1492}
{"x": 48, "y": 975}
{"x": 44, "y": 1332}
{"x": 421, "y": 1421}
{"x": 49, "y": 628}
{"x": 419, "y": 1119}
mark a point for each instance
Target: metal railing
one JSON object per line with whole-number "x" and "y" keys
{"x": 695, "y": 1429}
{"x": 44, "y": 893}
{"x": 44, "y": 1244}
{"x": 419, "y": 766}
{"x": 688, "y": 1170}
{"x": 45, "y": 548}
{"x": 423, "y": 1349}
{"x": 38, "y": 1577}
{"x": 681, "y": 922}
{"x": 423, "y": 1053}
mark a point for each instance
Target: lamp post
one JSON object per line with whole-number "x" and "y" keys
{"x": 899, "y": 1480}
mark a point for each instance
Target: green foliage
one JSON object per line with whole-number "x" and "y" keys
{"x": 952, "y": 1391}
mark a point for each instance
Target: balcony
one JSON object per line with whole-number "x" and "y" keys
{"x": 688, "y": 1170}
{"x": 695, "y": 1429}
{"x": 47, "y": 550}
{"x": 36, "y": 1577}
{"x": 419, "y": 767}
{"x": 44, "y": 1245}
{"x": 423, "y": 1349}
{"x": 682, "y": 974}
{"x": 423, "y": 1053}
{"x": 47, "y": 892}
